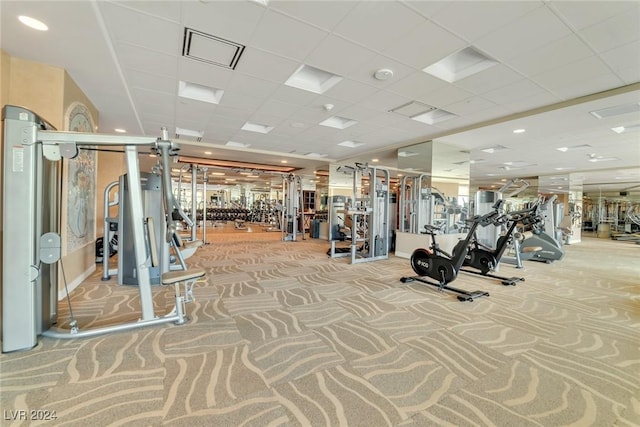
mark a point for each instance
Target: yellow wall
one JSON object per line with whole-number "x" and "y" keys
{"x": 48, "y": 91}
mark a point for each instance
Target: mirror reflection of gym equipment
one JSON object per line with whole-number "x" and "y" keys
{"x": 33, "y": 152}
{"x": 363, "y": 219}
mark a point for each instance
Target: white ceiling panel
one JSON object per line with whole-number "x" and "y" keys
{"x": 553, "y": 55}
{"x": 265, "y": 65}
{"x": 338, "y": 56}
{"x": 220, "y": 18}
{"x": 251, "y": 86}
{"x": 492, "y": 78}
{"x": 548, "y": 51}
{"x": 416, "y": 86}
{"x": 351, "y": 91}
{"x": 324, "y": 14}
{"x": 474, "y": 19}
{"x": 376, "y": 25}
{"x": 141, "y": 29}
{"x": 168, "y": 10}
{"x": 614, "y": 32}
{"x": 582, "y": 14}
{"x": 567, "y": 80}
{"x": 425, "y": 44}
{"x": 141, "y": 59}
{"x": 274, "y": 34}
{"x": 625, "y": 61}
{"x": 537, "y": 28}
{"x": 151, "y": 81}
{"x": 365, "y": 73}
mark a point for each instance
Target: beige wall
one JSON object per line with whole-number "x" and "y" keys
{"x": 48, "y": 91}
{"x": 4, "y": 99}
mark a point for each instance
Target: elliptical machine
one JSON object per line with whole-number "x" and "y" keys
{"x": 486, "y": 259}
{"x": 438, "y": 265}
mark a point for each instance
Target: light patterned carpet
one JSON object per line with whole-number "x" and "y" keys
{"x": 281, "y": 335}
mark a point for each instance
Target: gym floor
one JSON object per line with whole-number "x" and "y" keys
{"x": 280, "y": 334}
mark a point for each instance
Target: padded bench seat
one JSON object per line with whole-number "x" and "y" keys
{"x": 177, "y": 276}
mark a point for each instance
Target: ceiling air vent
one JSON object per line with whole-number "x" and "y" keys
{"x": 211, "y": 49}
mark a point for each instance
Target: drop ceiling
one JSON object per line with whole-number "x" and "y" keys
{"x": 554, "y": 62}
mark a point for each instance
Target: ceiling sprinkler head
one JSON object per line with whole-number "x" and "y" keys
{"x": 328, "y": 107}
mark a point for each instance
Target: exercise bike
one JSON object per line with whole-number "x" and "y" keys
{"x": 485, "y": 259}
{"x": 442, "y": 267}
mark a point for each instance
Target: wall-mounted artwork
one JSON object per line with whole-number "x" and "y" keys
{"x": 80, "y": 185}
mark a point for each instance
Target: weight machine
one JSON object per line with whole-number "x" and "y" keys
{"x": 31, "y": 241}
{"x": 292, "y": 214}
{"x": 366, "y": 215}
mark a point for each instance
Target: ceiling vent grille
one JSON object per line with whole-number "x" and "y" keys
{"x": 211, "y": 49}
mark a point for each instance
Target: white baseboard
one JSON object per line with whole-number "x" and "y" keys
{"x": 62, "y": 292}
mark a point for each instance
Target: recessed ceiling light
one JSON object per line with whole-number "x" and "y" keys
{"x": 283, "y": 161}
{"x": 351, "y": 144}
{"x": 616, "y": 111}
{"x": 208, "y": 152}
{"x": 312, "y": 79}
{"x": 519, "y": 131}
{"x": 375, "y": 160}
{"x": 256, "y": 127}
{"x": 574, "y": 147}
{"x": 338, "y": 122}
{"x": 237, "y": 144}
{"x": 199, "y": 92}
{"x": 33, "y": 23}
{"x": 412, "y": 109}
{"x": 317, "y": 155}
{"x": 118, "y": 130}
{"x": 459, "y": 65}
{"x": 433, "y": 117}
{"x": 189, "y": 132}
{"x": 152, "y": 155}
{"x": 216, "y": 173}
{"x": 494, "y": 149}
{"x": 625, "y": 129}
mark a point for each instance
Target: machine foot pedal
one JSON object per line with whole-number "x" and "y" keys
{"x": 470, "y": 296}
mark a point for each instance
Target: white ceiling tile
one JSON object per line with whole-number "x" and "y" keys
{"x": 489, "y": 79}
{"x": 470, "y": 106}
{"x": 566, "y": 79}
{"x": 530, "y": 102}
{"x": 264, "y": 118}
{"x": 231, "y": 20}
{"x": 170, "y": 10}
{"x": 474, "y": 19}
{"x": 278, "y": 108}
{"x": 135, "y": 57}
{"x": 446, "y": 95}
{"x": 614, "y": 32}
{"x": 275, "y": 34}
{"x": 416, "y": 86}
{"x": 324, "y": 14}
{"x": 524, "y": 88}
{"x": 194, "y": 111}
{"x": 377, "y": 24}
{"x": 241, "y": 101}
{"x": 292, "y": 95}
{"x": 425, "y": 44}
{"x": 268, "y": 66}
{"x": 535, "y": 29}
{"x": 140, "y": 29}
{"x": 251, "y": 86}
{"x": 563, "y": 51}
{"x": 428, "y": 9}
{"x": 582, "y": 14}
{"x": 384, "y": 101}
{"x": 193, "y": 71}
{"x": 351, "y": 91}
{"x": 365, "y": 72}
{"x": 625, "y": 61}
{"x": 339, "y": 56}
{"x": 157, "y": 103}
{"x": 385, "y": 119}
{"x": 150, "y": 81}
